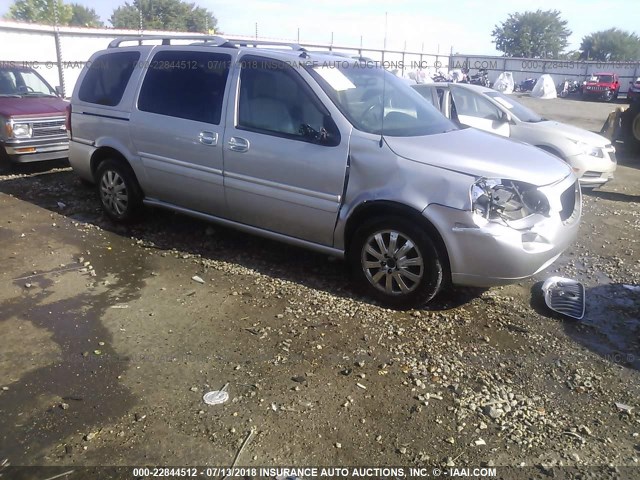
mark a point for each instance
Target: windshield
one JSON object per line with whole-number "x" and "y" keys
{"x": 20, "y": 82}
{"x": 602, "y": 78}
{"x": 363, "y": 93}
{"x": 518, "y": 110}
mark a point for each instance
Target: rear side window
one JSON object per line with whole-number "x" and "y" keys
{"x": 107, "y": 78}
{"x": 186, "y": 84}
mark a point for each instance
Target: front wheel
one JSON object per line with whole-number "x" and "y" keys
{"x": 607, "y": 96}
{"x": 396, "y": 262}
{"x": 119, "y": 191}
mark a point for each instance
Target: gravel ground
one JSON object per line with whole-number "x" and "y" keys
{"x": 108, "y": 344}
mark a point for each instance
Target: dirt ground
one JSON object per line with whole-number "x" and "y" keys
{"x": 107, "y": 346}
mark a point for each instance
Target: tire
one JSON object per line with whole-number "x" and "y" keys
{"x": 607, "y": 96}
{"x": 415, "y": 270}
{"x": 5, "y": 164}
{"x": 631, "y": 127}
{"x": 118, "y": 190}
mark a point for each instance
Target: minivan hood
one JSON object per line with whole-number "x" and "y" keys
{"x": 573, "y": 133}
{"x": 482, "y": 154}
{"x": 30, "y": 106}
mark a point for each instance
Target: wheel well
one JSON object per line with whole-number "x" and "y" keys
{"x": 551, "y": 150}
{"x": 103, "y": 153}
{"x": 370, "y": 210}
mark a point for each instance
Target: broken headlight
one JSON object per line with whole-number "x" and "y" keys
{"x": 507, "y": 200}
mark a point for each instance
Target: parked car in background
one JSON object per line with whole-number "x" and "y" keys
{"x": 633, "y": 94}
{"x": 603, "y": 85}
{"x": 321, "y": 153}
{"x": 32, "y": 117}
{"x": 591, "y": 156}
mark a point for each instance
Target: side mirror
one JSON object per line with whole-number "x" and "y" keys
{"x": 58, "y": 90}
{"x": 328, "y": 135}
{"x": 330, "y": 132}
{"x": 504, "y": 117}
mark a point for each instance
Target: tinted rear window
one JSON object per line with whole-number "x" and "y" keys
{"x": 185, "y": 84}
{"x": 107, "y": 78}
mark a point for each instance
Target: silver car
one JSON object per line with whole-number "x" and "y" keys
{"x": 329, "y": 154}
{"x": 591, "y": 156}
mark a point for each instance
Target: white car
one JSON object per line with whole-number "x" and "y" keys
{"x": 591, "y": 156}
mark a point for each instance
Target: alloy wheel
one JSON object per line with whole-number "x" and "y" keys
{"x": 113, "y": 192}
{"x": 392, "y": 262}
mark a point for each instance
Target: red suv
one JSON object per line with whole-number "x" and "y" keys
{"x": 604, "y": 85}
{"x": 32, "y": 117}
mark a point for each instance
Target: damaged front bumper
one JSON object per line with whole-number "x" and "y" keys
{"x": 497, "y": 254}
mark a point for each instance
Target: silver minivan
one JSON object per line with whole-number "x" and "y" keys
{"x": 332, "y": 154}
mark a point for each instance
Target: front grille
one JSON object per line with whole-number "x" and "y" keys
{"x": 568, "y": 201}
{"x": 48, "y": 128}
{"x": 596, "y": 87}
{"x": 590, "y": 174}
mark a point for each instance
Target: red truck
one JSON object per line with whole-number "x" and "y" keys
{"x": 603, "y": 85}
{"x": 32, "y": 118}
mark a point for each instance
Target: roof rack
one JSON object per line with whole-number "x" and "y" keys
{"x": 166, "y": 39}
{"x": 211, "y": 40}
{"x": 268, "y": 43}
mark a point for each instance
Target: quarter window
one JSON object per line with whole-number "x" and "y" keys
{"x": 186, "y": 84}
{"x": 107, "y": 78}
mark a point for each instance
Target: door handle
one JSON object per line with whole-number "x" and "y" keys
{"x": 238, "y": 144}
{"x": 208, "y": 138}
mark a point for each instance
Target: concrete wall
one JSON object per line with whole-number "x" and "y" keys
{"x": 35, "y": 46}
{"x": 523, "y": 68}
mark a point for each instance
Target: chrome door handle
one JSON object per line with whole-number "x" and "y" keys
{"x": 238, "y": 144}
{"x": 208, "y": 138}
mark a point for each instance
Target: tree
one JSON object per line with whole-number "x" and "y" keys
{"x": 539, "y": 34}
{"x": 163, "y": 15}
{"x": 82, "y": 16}
{"x": 610, "y": 45}
{"x": 40, "y": 11}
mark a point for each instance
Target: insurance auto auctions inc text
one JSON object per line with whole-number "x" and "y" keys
{"x": 368, "y": 472}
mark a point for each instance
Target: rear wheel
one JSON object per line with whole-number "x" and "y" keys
{"x": 396, "y": 262}
{"x": 119, "y": 192}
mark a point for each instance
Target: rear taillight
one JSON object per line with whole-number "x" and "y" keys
{"x": 67, "y": 121}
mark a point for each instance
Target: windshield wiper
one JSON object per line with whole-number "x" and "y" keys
{"x": 38, "y": 94}
{"x": 11, "y": 95}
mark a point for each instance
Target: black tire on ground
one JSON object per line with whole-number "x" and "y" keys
{"x": 630, "y": 127}
{"x": 396, "y": 262}
{"x": 118, "y": 190}
{"x": 607, "y": 96}
{"x": 5, "y": 164}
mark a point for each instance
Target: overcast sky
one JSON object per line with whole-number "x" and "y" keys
{"x": 464, "y": 25}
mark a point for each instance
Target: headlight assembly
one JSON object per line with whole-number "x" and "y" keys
{"x": 587, "y": 149}
{"x": 507, "y": 200}
{"x": 19, "y": 130}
